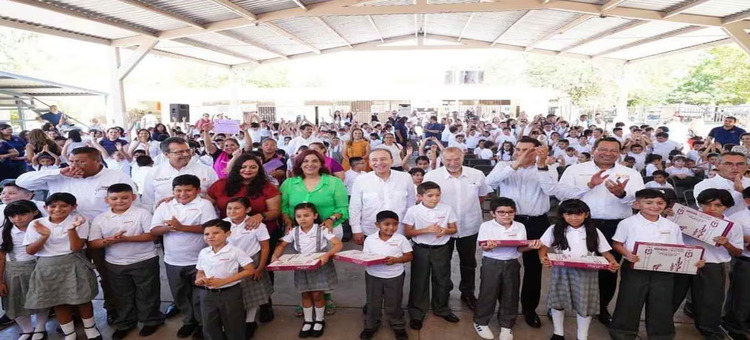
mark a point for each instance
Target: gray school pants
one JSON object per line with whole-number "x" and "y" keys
{"x": 223, "y": 313}
{"x": 500, "y": 283}
{"x": 387, "y": 293}
{"x": 639, "y": 287}
{"x": 182, "y": 284}
{"x": 137, "y": 289}
{"x": 431, "y": 264}
{"x": 737, "y": 308}
{"x": 707, "y": 291}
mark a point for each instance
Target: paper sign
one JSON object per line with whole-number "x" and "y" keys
{"x": 296, "y": 262}
{"x": 272, "y": 165}
{"x": 227, "y": 126}
{"x": 583, "y": 262}
{"x": 699, "y": 225}
{"x": 359, "y": 257}
{"x": 671, "y": 258}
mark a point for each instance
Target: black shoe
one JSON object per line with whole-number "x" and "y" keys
{"x": 732, "y": 335}
{"x": 364, "y": 309}
{"x": 318, "y": 333}
{"x": 250, "y": 328}
{"x": 533, "y": 320}
{"x": 415, "y": 324}
{"x": 470, "y": 301}
{"x": 265, "y": 313}
{"x": 121, "y": 333}
{"x": 302, "y": 332}
{"x": 450, "y": 318}
{"x": 557, "y": 337}
{"x": 367, "y": 333}
{"x": 111, "y": 317}
{"x": 148, "y": 330}
{"x": 186, "y": 330}
{"x": 605, "y": 318}
{"x": 401, "y": 334}
{"x": 171, "y": 311}
{"x": 198, "y": 334}
{"x": 5, "y": 320}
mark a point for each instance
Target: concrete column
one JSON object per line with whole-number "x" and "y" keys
{"x": 116, "y": 112}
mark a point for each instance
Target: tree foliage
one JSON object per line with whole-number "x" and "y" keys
{"x": 722, "y": 77}
{"x": 584, "y": 83}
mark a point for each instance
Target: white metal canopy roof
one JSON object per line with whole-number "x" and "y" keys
{"x": 232, "y": 33}
{"x": 15, "y": 87}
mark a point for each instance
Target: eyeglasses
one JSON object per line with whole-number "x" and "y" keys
{"x": 181, "y": 152}
{"x": 505, "y": 213}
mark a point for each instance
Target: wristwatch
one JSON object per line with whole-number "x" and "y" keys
{"x": 546, "y": 168}
{"x": 333, "y": 218}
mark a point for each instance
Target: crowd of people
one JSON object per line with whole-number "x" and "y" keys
{"x": 81, "y": 204}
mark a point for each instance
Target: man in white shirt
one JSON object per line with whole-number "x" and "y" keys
{"x": 304, "y": 139}
{"x": 608, "y": 188}
{"x": 463, "y": 188}
{"x": 732, "y": 166}
{"x": 663, "y": 146}
{"x": 529, "y": 183}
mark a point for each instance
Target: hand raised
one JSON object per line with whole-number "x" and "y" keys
{"x": 597, "y": 178}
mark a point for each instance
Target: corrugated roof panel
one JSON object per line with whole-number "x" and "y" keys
{"x": 395, "y": 25}
{"x": 201, "y": 53}
{"x": 233, "y": 45}
{"x": 263, "y": 6}
{"x": 96, "y": 15}
{"x": 266, "y": 37}
{"x": 488, "y": 26}
{"x": 720, "y": 8}
{"x": 387, "y": 3}
{"x": 201, "y": 11}
{"x": 584, "y": 30}
{"x": 654, "y": 5}
{"x": 128, "y": 13}
{"x": 648, "y": 30}
{"x": 669, "y": 44}
{"x": 356, "y": 29}
{"x": 451, "y": 1}
{"x": 536, "y": 25}
{"x": 446, "y": 24}
{"x": 598, "y": 2}
{"x": 311, "y": 31}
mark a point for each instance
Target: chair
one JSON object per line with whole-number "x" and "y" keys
{"x": 671, "y": 195}
{"x": 486, "y": 169}
{"x": 647, "y": 179}
{"x": 689, "y": 198}
{"x": 469, "y": 156}
{"x": 474, "y": 162}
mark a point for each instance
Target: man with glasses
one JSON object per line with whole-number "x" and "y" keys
{"x": 732, "y": 166}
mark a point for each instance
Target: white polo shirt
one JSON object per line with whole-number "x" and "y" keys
{"x": 637, "y": 228}
{"x": 491, "y": 230}
{"x": 576, "y": 241}
{"x": 158, "y": 183}
{"x": 462, "y": 194}
{"x": 603, "y": 204}
{"x": 222, "y": 264}
{"x": 134, "y": 222}
{"x": 718, "y": 182}
{"x": 58, "y": 242}
{"x": 396, "y": 246}
{"x": 18, "y": 253}
{"x": 307, "y": 240}
{"x": 422, "y": 217}
{"x": 741, "y": 220}
{"x": 371, "y": 194}
{"x": 714, "y": 254}
{"x": 247, "y": 240}
{"x": 182, "y": 248}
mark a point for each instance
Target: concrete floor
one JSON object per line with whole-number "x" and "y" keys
{"x": 347, "y": 322}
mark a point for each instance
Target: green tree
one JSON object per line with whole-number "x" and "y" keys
{"x": 722, "y": 77}
{"x": 586, "y": 84}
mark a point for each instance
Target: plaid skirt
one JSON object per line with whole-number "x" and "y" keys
{"x": 321, "y": 279}
{"x": 256, "y": 293}
{"x": 61, "y": 280}
{"x": 574, "y": 289}
{"x": 17, "y": 275}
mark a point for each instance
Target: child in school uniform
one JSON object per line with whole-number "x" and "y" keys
{"x": 736, "y": 307}
{"x": 574, "y": 289}
{"x": 310, "y": 237}
{"x": 180, "y": 220}
{"x": 63, "y": 278}
{"x": 257, "y": 288}
{"x": 219, "y": 277}
{"x": 12, "y": 192}
{"x": 384, "y": 283}
{"x": 641, "y": 287}
{"x": 501, "y": 271}
{"x": 707, "y": 288}
{"x": 132, "y": 261}
{"x": 430, "y": 224}
{"x": 17, "y": 267}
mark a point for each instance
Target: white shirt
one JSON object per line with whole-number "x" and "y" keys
{"x": 139, "y": 177}
{"x": 349, "y": 177}
{"x": 493, "y": 231}
{"x": 371, "y": 195}
{"x": 58, "y": 242}
{"x": 695, "y": 155}
{"x": 502, "y": 138}
{"x": 718, "y": 182}
{"x": 89, "y": 192}
{"x": 742, "y": 220}
{"x": 665, "y": 148}
{"x": 640, "y": 160}
{"x": 18, "y": 253}
{"x": 570, "y": 160}
{"x": 395, "y": 150}
{"x": 679, "y": 171}
{"x": 421, "y": 217}
{"x": 603, "y": 204}
{"x": 307, "y": 241}
{"x": 247, "y": 240}
{"x": 650, "y": 168}
{"x": 654, "y": 184}
{"x": 485, "y": 154}
{"x": 298, "y": 141}
{"x": 159, "y": 180}
{"x": 122, "y": 165}
{"x": 528, "y": 187}
{"x": 576, "y": 237}
{"x": 714, "y": 254}
{"x": 182, "y": 248}
{"x": 223, "y": 263}
{"x": 637, "y": 228}
{"x": 396, "y": 246}
{"x": 134, "y": 222}
{"x": 462, "y": 194}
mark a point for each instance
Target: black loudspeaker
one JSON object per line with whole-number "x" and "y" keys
{"x": 179, "y": 112}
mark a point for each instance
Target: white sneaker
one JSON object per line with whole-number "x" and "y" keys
{"x": 484, "y": 332}
{"x": 505, "y": 334}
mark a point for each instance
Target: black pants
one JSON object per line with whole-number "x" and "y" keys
{"x": 639, "y": 287}
{"x": 138, "y": 293}
{"x": 223, "y": 313}
{"x": 431, "y": 266}
{"x": 707, "y": 291}
{"x": 607, "y": 279}
{"x": 532, "y": 269}
{"x": 467, "y": 248}
{"x": 737, "y": 308}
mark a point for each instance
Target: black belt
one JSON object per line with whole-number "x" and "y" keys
{"x": 429, "y": 246}
{"x": 527, "y": 217}
{"x": 608, "y": 219}
{"x": 217, "y": 290}
{"x": 743, "y": 258}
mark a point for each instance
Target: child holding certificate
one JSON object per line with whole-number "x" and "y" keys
{"x": 639, "y": 287}
{"x": 736, "y": 307}
{"x": 574, "y": 289}
{"x": 707, "y": 288}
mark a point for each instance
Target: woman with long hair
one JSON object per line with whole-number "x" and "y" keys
{"x": 356, "y": 146}
{"x": 37, "y": 141}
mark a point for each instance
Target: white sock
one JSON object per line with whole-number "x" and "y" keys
{"x": 558, "y": 319}
{"x": 250, "y": 316}
{"x": 69, "y": 328}
{"x": 89, "y": 326}
{"x": 320, "y": 313}
{"x": 308, "y": 313}
{"x": 41, "y": 321}
{"x": 583, "y": 326}
{"x": 24, "y": 322}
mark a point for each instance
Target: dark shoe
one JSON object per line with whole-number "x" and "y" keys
{"x": 265, "y": 313}
{"x": 401, "y": 334}
{"x": 319, "y": 333}
{"x": 148, "y": 330}
{"x": 186, "y": 331}
{"x": 367, "y": 333}
{"x": 605, "y": 318}
{"x": 450, "y": 318}
{"x": 121, "y": 333}
{"x": 5, "y": 320}
{"x": 557, "y": 337}
{"x": 470, "y": 301}
{"x": 303, "y": 333}
{"x": 198, "y": 334}
{"x": 250, "y": 328}
{"x": 415, "y": 324}
{"x": 111, "y": 317}
{"x": 171, "y": 311}
{"x": 732, "y": 335}
{"x": 364, "y": 309}
{"x": 533, "y": 320}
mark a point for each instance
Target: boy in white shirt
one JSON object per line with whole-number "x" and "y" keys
{"x": 459, "y": 142}
{"x": 660, "y": 181}
{"x": 385, "y": 282}
{"x": 636, "y": 151}
{"x": 132, "y": 261}
{"x": 736, "y": 307}
{"x": 180, "y": 221}
{"x": 356, "y": 167}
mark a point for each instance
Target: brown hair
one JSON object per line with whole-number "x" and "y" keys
{"x": 297, "y": 167}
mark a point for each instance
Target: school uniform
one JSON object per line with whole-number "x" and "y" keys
{"x": 18, "y": 268}
{"x": 655, "y": 185}
{"x": 133, "y": 267}
{"x": 736, "y": 307}
{"x": 384, "y": 284}
{"x": 254, "y": 292}
{"x": 707, "y": 286}
{"x": 61, "y": 277}
{"x": 639, "y": 287}
{"x": 181, "y": 251}
{"x": 431, "y": 262}
{"x": 221, "y": 307}
{"x": 500, "y": 274}
{"x": 313, "y": 241}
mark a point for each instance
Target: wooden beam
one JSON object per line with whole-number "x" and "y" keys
{"x": 735, "y": 17}
{"x": 698, "y": 47}
{"x": 640, "y": 42}
{"x": 581, "y": 19}
{"x": 214, "y": 48}
{"x": 509, "y": 27}
{"x": 463, "y": 30}
{"x": 237, "y": 9}
{"x": 54, "y": 31}
{"x": 683, "y": 8}
{"x": 604, "y": 34}
{"x": 162, "y": 12}
{"x": 300, "y": 4}
{"x": 136, "y": 58}
{"x": 375, "y": 26}
{"x": 611, "y": 4}
{"x": 283, "y": 33}
{"x": 333, "y": 31}
{"x": 737, "y": 33}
